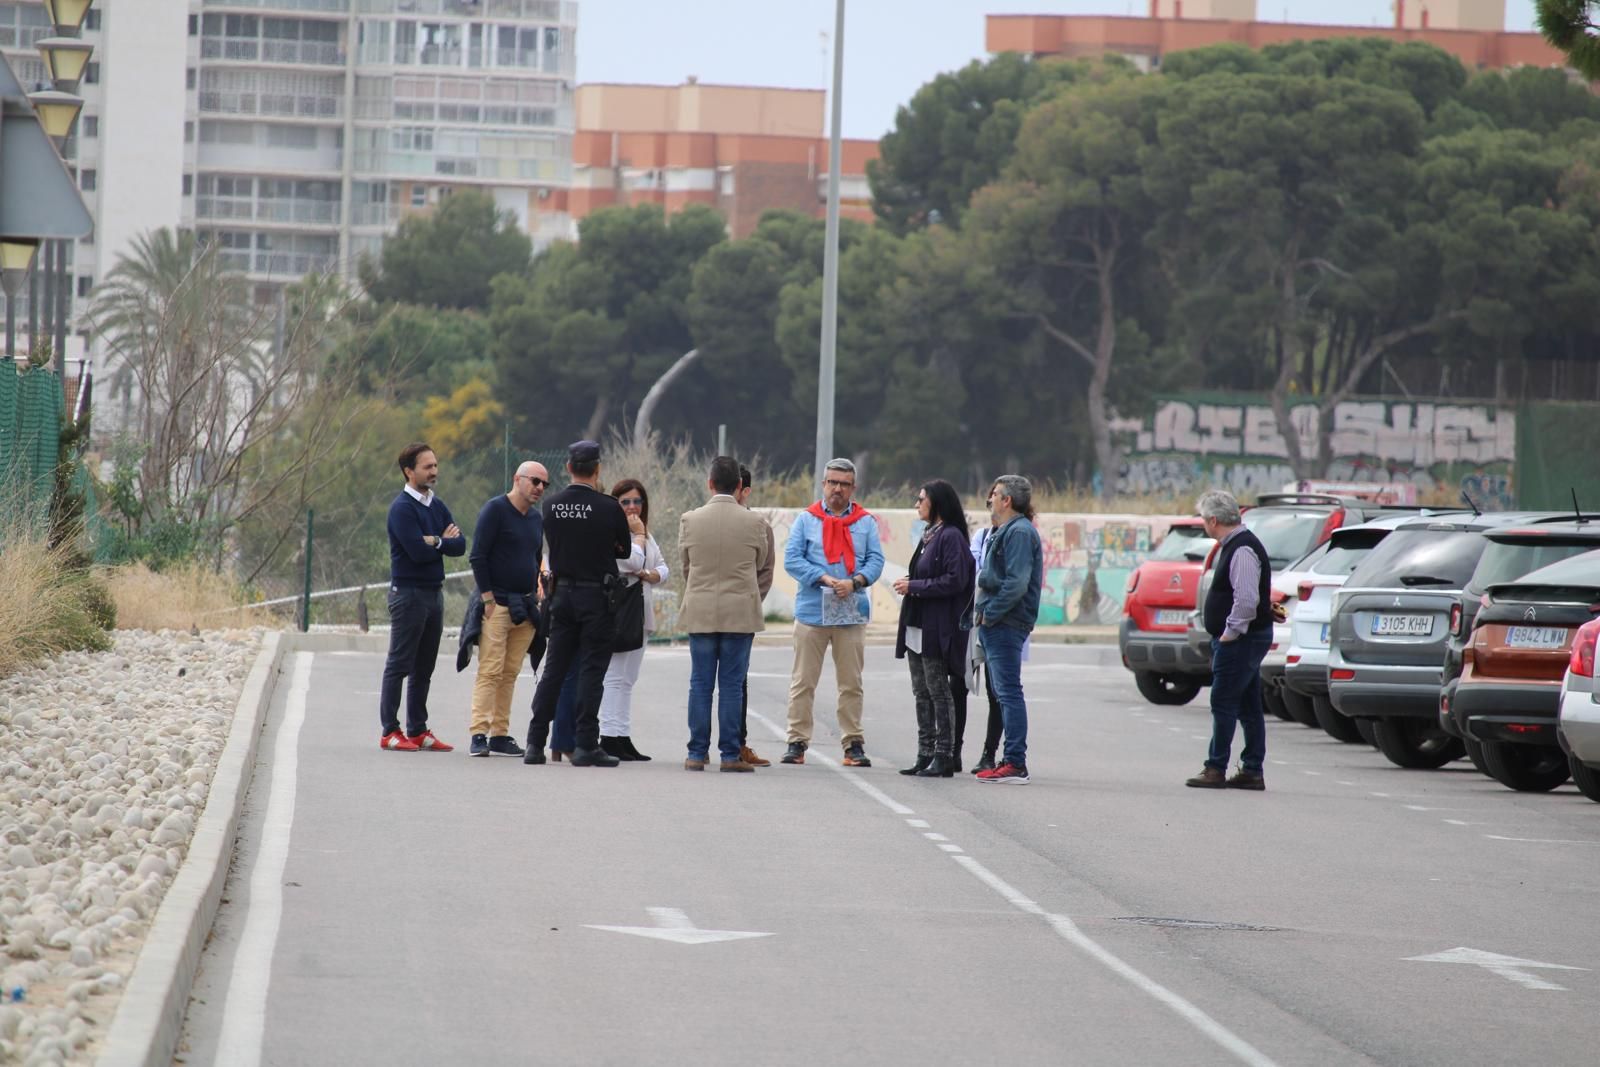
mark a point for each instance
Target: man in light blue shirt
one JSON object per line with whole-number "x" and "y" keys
{"x": 834, "y": 554}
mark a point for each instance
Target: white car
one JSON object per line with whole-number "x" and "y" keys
{"x": 1578, "y": 727}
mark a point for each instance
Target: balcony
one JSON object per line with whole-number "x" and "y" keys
{"x": 275, "y": 105}
{"x": 373, "y": 214}
{"x": 531, "y": 10}
{"x": 249, "y": 50}
{"x": 340, "y": 6}
{"x": 305, "y": 212}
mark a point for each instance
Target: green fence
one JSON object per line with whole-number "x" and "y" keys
{"x": 31, "y": 403}
{"x": 1558, "y": 454}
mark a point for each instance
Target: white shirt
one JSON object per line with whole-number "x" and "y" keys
{"x": 425, "y": 499}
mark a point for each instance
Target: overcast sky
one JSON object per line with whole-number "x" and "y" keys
{"x": 891, "y": 46}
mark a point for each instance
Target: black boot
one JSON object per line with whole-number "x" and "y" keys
{"x": 939, "y": 767}
{"x": 919, "y": 766}
{"x": 613, "y": 746}
{"x": 955, "y": 759}
{"x": 985, "y": 763}
{"x": 633, "y": 754}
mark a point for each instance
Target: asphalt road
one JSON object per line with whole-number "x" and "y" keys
{"x": 393, "y": 909}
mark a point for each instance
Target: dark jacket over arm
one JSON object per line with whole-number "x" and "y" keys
{"x": 941, "y": 585}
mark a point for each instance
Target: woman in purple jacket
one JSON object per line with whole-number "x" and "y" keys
{"x": 934, "y": 621}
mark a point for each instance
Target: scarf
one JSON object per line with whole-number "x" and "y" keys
{"x": 837, "y": 543}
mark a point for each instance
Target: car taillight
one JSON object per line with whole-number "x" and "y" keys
{"x": 1302, "y": 591}
{"x": 1133, "y": 581}
{"x": 1341, "y": 674}
{"x": 1582, "y": 661}
{"x": 1291, "y": 660}
{"x": 1524, "y": 728}
{"x": 1455, "y": 619}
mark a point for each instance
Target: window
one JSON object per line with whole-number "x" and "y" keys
{"x": 188, "y": 133}
{"x": 188, "y": 185}
{"x": 89, "y": 127}
{"x": 292, "y": 136}
{"x": 189, "y": 77}
{"x": 87, "y": 180}
{"x": 85, "y": 285}
{"x": 1441, "y": 559}
{"x": 91, "y": 74}
{"x": 91, "y": 21}
{"x": 194, "y": 23}
{"x": 419, "y": 196}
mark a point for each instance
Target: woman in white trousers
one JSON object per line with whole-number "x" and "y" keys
{"x": 616, "y": 707}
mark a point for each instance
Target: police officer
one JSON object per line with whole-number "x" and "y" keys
{"x": 587, "y": 532}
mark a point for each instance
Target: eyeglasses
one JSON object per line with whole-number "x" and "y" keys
{"x": 920, "y": 500}
{"x": 542, "y": 483}
{"x": 832, "y": 483}
{"x": 633, "y": 501}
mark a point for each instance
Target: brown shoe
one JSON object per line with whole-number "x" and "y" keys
{"x": 736, "y": 765}
{"x": 1243, "y": 779}
{"x": 1209, "y": 778}
{"x": 694, "y": 764}
{"x": 748, "y": 755}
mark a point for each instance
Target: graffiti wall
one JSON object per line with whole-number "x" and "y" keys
{"x": 1233, "y": 442}
{"x": 1087, "y": 561}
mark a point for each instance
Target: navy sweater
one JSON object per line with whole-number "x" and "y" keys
{"x": 506, "y": 546}
{"x": 413, "y": 562}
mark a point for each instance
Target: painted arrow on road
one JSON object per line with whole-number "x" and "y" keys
{"x": 673, "y": 925}
{"x": 1507, "y": 967}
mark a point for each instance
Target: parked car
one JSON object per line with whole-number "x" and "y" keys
{"x": 1578, "y": 722}
{"x": 1289, "y": 525}
{"x": 1305, "y": 675}
{"x": 1155, "y": 617}
{"x": 1388, "y": 631}
{"x": 1511, "y": 553}
{"x": 1509, "y": 694}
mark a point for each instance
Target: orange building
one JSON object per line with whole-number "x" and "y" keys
{"x": 1470, "y": 30}
{"x": 742, "y": 150}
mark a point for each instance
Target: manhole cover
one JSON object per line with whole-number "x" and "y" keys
{"x": 1194, "y": 924}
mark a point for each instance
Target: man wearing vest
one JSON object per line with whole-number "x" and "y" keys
{"x": 1238, "y": 616}
{"x": 833, "y": 555}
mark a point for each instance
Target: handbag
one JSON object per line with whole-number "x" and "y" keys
{"x": 627, "y": 613}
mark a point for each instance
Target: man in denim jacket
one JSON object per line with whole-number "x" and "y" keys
{"x": 1009, "y": 584}
{"x": 834, "y": 554}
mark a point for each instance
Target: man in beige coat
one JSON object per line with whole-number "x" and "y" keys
{"x": 724, "y": 548}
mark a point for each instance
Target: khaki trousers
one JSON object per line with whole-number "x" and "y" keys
{"x": 849, "y": 645}
{"x": 501, "y": 648}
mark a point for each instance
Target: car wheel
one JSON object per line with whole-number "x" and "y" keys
{"x": 1164, "y": 689}
{"x": 1526, "y": 768}
{"x": 1339, "y": 727}
{"x": 1586, "y": 778}
{"x": 1300, "y": 709}
{"x": 1475, "y": 754}
{"x": 1368, "y": 734}
{"x": 1272, "y": 700}
{"x": 1415, "y": 743}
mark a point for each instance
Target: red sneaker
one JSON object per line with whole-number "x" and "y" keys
{"x": 426, "y": 742}
{"x": 395, "y": 741}
{"x": 1005, "y": 774}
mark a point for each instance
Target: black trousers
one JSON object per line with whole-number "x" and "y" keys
{"x": 580, "y": 630}
{"x": 416, "y": 619}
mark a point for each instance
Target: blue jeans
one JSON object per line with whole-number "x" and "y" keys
{"x": 564, "y": 728}
{"x": 717, "y": 660}
{"x": 1236, "y": 698}
{"x": 1002, "y": 649}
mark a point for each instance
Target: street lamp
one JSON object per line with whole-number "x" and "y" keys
{"x": 57, "y": 112}
{"x": 67, "y": 15}
{"x": 830, "y": 262}
{"x": 16, "y": 259}
{"x": 65, "y": 59}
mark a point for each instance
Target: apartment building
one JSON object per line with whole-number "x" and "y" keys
{"x": 742, "y": 150}
{"x": 1471, "y": 30}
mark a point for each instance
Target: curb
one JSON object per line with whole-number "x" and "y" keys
{"x": 149, "y": 1019}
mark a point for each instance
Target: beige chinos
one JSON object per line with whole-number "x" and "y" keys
{"x": 501, "y": 650}
{"x": 849, "y": 644}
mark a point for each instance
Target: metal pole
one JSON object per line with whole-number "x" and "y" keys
{"x": 505, "y": 457}
{"x": 41, "y": 320}
{"x": 63, "y": 303}
{"x": 11, "y": 320}
{"x": 830, "y": 261}
{"x": 305, "y": 601}
{"x": 33, "y": 299}
{"x": 722, "y": 439}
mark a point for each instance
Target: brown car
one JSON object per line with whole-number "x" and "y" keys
{"x": 1510, "y": 688}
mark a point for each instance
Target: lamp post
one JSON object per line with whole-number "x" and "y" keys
{"x": 830, "y": 262}
{"x": 16, "y": 259}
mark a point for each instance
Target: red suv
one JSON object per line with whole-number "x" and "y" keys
{"x": 1155, "y": 616}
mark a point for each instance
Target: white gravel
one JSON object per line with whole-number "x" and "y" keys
{"x": 105, "y": 763}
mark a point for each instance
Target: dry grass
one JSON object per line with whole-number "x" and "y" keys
{"x": 47, "y": 606}
{"x": 179, "y": 597}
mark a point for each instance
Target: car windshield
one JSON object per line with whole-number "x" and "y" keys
{"x": 1183, "y": 543}
{"x": 1286, "y": 535}
{"x": 1422, "y": 558}
{"x": 1503, "y": 562}
{"x": 1346, "y": 553}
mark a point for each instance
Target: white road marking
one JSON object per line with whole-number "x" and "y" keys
{"x": 244, "y": 1013}
{"x": 1420, "y": 807}
{"x": 1540, "y": 840}
{"x": 1176, "y": 729}
{"x": 921, "y": 824}
{"x": 1384, "y": 795}
{"x": 935, "y": 837}
{"x": 1508, "y": 967}
{"x": 1068, "y": 930}
{"x": 672, "y": 924}
{"x": 1314, "y": 774}
{"x": 1340, "y": 781}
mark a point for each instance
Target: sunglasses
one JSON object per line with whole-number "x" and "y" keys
{"x": 634, "y": 500}
{"x": 542, "y": 483}
{"x": 920, "y": 500}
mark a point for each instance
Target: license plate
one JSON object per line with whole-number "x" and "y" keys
{"x": 1323, "y": 636}
{"x": 1172, "y": 617}
{"x": 1536, "y": 637}
{"x": 1402, "y": 625}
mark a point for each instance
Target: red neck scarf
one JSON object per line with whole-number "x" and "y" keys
{"x": 837, "y": 543}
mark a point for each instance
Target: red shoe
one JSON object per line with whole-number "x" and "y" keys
{"x": 395, "y": 741}
{"x": 1005, "y": 774}
{"x": 426, "y": 742}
